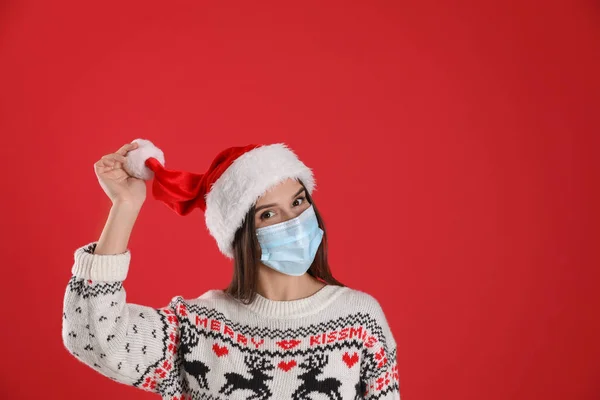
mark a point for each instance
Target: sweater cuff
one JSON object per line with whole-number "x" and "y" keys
{"x": 100, "y": 267}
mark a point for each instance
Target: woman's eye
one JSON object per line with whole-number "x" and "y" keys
{"x": 299, "y": 198}
{"x": 265, "y": 213}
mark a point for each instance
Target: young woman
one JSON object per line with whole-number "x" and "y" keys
{"x": 283, "y": 329}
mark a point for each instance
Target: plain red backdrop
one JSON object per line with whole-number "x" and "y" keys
{"x": 454, "y": 147}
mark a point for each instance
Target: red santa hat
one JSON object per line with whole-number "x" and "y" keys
{"x": 235, "y": 180}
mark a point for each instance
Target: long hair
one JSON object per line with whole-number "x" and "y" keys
{"x": 247, "y": 252}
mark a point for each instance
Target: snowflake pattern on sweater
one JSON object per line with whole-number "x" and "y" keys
{"x": 335, "y": 344}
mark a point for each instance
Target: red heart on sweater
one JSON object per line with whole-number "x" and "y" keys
{"x": 350, "y": 361}
{"x": 286, "y": 366}
{"x": 288, "y": 344}
{"x": 220, "y": 350}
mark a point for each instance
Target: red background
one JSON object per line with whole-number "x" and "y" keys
{"x": 453, "y": 144}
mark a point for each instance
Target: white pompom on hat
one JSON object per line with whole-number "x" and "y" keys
{"x": 235, "y": 180}
{"x": 135, "y": 162}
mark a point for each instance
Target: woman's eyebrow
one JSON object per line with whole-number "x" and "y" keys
{"x": 274, "y": 204}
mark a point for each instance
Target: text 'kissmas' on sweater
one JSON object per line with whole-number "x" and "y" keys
{"x": 334, "y": 344}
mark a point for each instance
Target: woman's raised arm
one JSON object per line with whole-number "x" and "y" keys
{"x": 129, "y": 343}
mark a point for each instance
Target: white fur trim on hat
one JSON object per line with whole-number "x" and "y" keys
{"x": 242, "y": 184}
{"x": 135, "y": 161}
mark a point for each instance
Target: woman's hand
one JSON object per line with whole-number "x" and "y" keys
{"x": 118, "y": 185}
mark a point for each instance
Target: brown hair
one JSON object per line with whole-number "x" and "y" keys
{"x": 246, "y": 256}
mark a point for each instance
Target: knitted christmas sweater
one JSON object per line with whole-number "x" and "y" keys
{"x": 334, "y": 344}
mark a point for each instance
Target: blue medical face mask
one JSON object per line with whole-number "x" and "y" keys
{"x": 290, "y": 246}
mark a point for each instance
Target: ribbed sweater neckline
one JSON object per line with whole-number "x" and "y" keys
{"x": 282, "y": 309}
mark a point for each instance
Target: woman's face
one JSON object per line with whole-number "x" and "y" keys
{"x": 282, "y": 202}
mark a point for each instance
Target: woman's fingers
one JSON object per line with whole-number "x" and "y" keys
{"x": 119, "y": 158}
{"x": 115, "y": 157}
{"x": 111, "y": 162}
{"x": 125, "y": 148}
{"x": 116, "y": 160}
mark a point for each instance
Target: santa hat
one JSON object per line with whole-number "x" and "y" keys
{"x": 235, "y": 180}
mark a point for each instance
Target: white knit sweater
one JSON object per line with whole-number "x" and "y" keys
{"x": 334, "y": 344}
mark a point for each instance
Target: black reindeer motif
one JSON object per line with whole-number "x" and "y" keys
{"x": 314, "y": 365}
{"x": 195, "y": 368}
{"x": 256, "y": 367}
{"x": 360, "y": 388}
